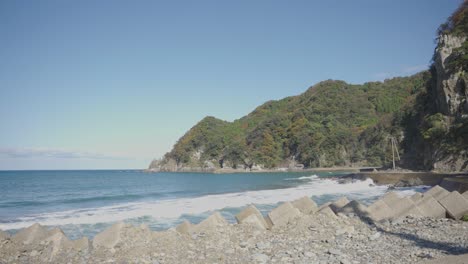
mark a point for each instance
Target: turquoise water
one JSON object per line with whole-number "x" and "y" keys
{"x": 86, "y": 202}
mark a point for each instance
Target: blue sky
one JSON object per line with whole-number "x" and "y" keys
{"x": 113, "y": 84}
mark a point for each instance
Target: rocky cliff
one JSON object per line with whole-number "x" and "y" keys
{"x": 450, "y": 91}
{"x": 443, "y": 112}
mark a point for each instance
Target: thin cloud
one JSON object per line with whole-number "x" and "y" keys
{"x": 54, "y": 153}
{"x": 415, "y": 69}
{"x": 405, "y": 71}
{"x": 382, "y": 75}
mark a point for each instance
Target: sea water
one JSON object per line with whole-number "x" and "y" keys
{"x": 84, "y": 203}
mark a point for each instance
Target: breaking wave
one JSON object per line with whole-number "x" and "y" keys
{"x": 168, "y": 210}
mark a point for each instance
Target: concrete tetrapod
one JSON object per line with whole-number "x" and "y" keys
{"x": 327, "y": 211}
{"x": 109, "y": 237}
{"x": 379, "y": 211}
{"x": 283, "y": 214}
{"x": 184, "y": 227}
{"x": 248, "y": 214}
{"x": 4, "y": 235}
{"x": 34, "y": 234}
{"x": 354, "y": 207}
{"x": 465, "y": 194}
{"x": 455, "y": 204}
{"x": 338, "y": 204}
{"x": 212, "y": 222}
{"x": 429, "y": 207}
{"x": 403, "y": 207}
{"x": 437, "y": 192}
{"x": 305, "y": 205}
{"x": 416, "y": 197}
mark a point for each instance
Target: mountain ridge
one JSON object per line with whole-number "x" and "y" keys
{"x": 336, "y": 124}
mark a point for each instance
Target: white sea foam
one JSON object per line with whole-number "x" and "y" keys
{"x": 312, "y": 177}
{"x": 168, "y": 210}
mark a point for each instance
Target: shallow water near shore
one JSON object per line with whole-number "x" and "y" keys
{"x": 84, "y": 203}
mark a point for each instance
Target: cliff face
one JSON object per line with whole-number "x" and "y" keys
{"x": 338, "y": 124}
{"x": 445, "y": 124}
{"x": 450, "y": 106}
{"x": 450, "y": 91}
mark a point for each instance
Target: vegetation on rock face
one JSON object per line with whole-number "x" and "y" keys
{"x": 457, "y": 23}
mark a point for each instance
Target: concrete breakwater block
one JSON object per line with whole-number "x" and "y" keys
{"x": 81, "y": 244}
{"x": 268, "y": 221}
{"x": 251, "y": 215}
{"x": 327, "y": 211}
{"x": 338, "y": 204}
{"x": 283, "y": 214}
{"x": 327, "y": 204}
{"x": 465, "y": 194}
{"x": 4, "y": 235}
{"x": 390, "y": 198}
{"x": 379, "y": 210}
{"x": 256, "y": 222}
{"x": 305, "y": 205}
{"x": 184, "y": 227}
{"x": 212, "y": 222}
{"x": 416, "y": 197}
{"x": 34, "y": 234}
{"x": 437, "y": 192}
{"x": 109, "y": 237}
{"x": 429, "y": 207}
{"x": 455, "y": 205}
{"x": 400, "y": 206}
{"x": 354, "y": 207}
{"x": 60, "y": 242}
{"x": 403, "y": 207}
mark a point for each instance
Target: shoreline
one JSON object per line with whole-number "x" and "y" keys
{"x": 455, "y": 181}
{"x": 275, "y": 170}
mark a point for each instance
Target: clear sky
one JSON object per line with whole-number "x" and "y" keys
{"x": 113, "y": 84}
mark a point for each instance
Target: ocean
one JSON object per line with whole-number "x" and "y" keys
{"x": 83, "y": 203}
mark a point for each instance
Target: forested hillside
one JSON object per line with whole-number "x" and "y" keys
{"x": 331, "y": 124}
{"x": 334, "y": 123}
